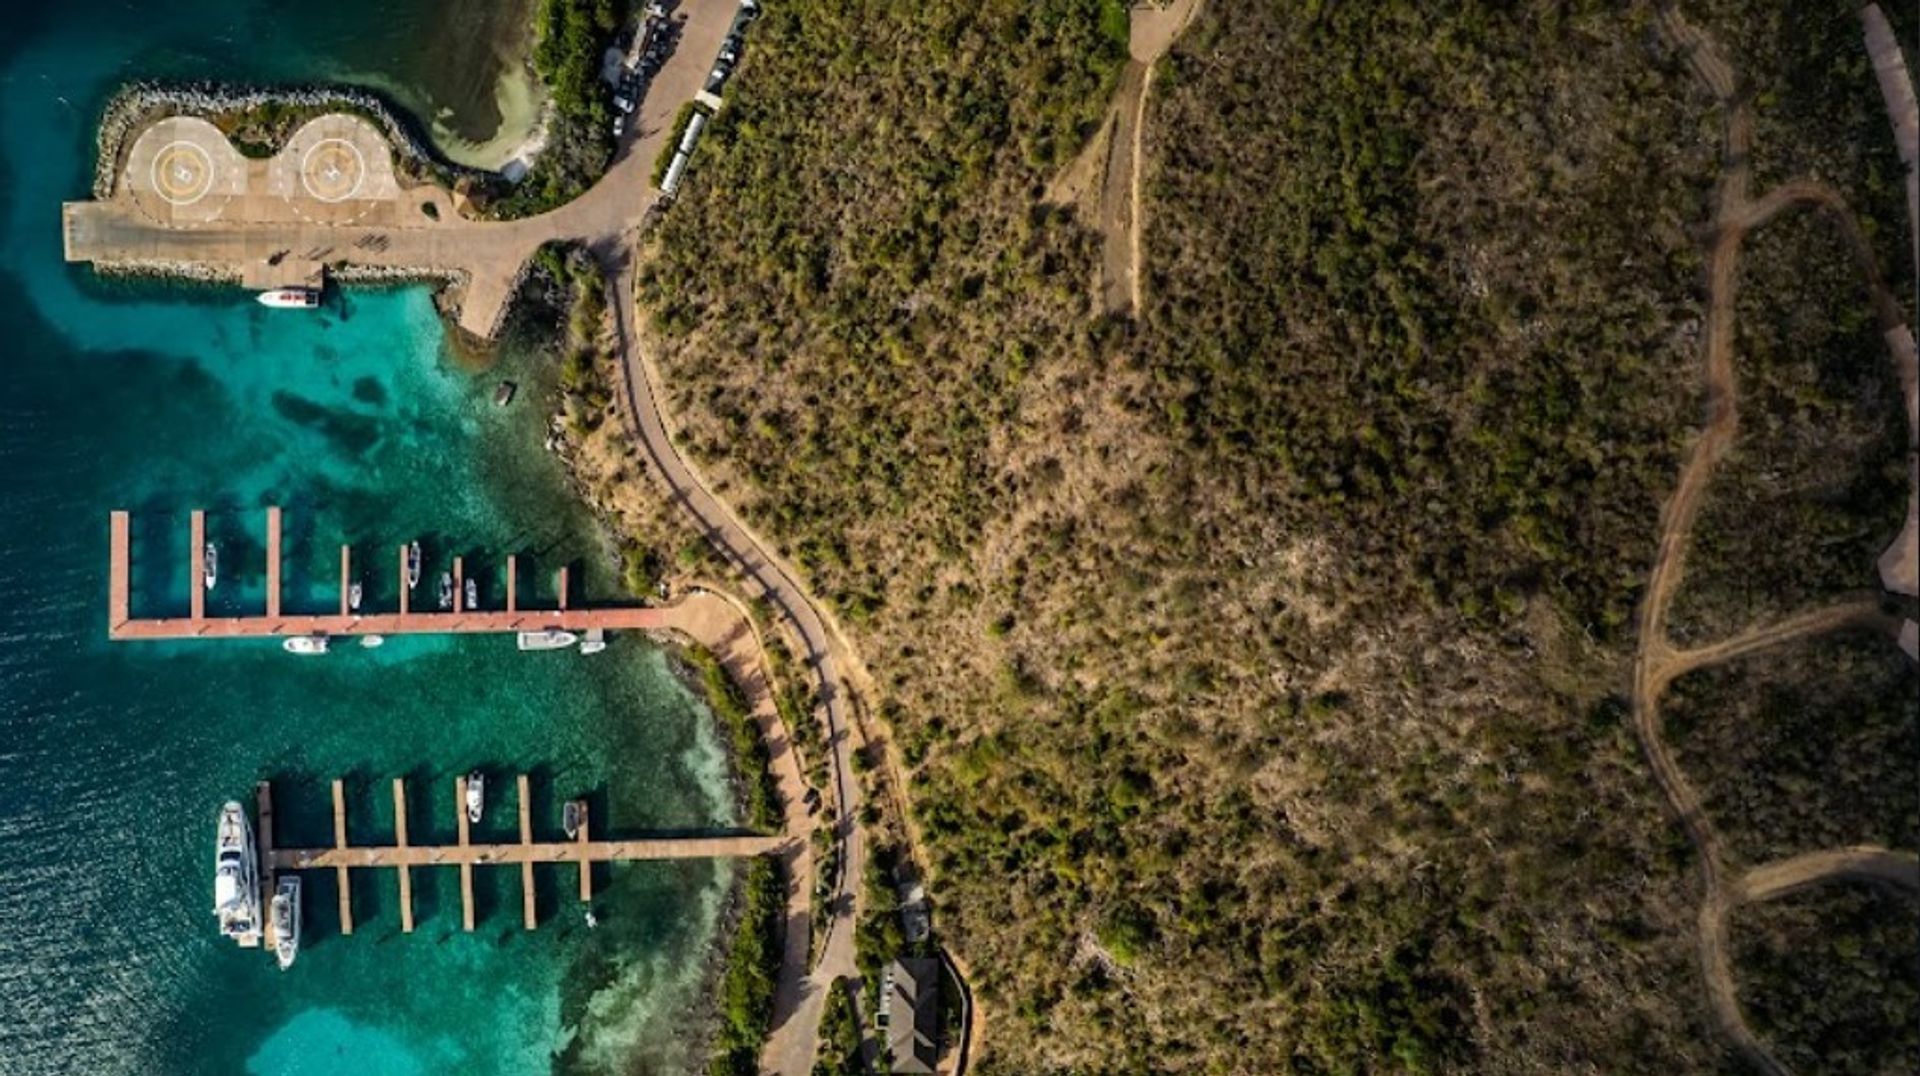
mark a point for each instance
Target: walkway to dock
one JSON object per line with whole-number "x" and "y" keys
{"x": 266, "y": 234}
{"x": 403, "y": 856}
{"x": 121, "y": 624}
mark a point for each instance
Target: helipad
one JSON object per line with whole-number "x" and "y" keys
{"x": 183, "y": 171}
{"x": 336, "y": 169}
{"x": 332, "y": 170}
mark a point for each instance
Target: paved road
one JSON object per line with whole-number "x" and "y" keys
{"x": 791, "y": 1048}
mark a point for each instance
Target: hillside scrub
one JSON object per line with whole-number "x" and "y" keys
{"x": 1255, "y": 663}
{"x": 1813, "y": 747}
{"x": 1831, "y": 979}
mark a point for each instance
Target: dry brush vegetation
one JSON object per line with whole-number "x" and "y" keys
{"x": 1257, "y": 665}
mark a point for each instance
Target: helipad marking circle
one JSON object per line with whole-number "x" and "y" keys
{"x": 182, "y": 173}
{"x": 332, "y": 170}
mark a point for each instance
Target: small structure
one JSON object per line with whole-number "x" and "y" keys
{"x": 910, "y": 1012}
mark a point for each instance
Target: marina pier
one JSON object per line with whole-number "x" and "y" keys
{"x": 273, "y": 621}
{"x": 402, "y": 856}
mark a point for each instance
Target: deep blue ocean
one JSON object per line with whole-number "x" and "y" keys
{"x": 115, "y": 758}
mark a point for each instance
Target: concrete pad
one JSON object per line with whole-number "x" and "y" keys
{"x": 335, "y": 169}
{"x": 183, "y": 171}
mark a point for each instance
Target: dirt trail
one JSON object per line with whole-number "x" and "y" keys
{"x": 1657, "y": 662}
{"x": 1105, "y": 182}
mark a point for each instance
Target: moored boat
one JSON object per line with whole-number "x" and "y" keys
{"x": 547, "y": 640}
{"x": 572, "y": 817}
{"x": 354, "y": 593}
{"x": 476, "y": 796}
{"x": 371, "y": 641}
{"x": 413, "y": 565}
{"x": 210, "y": 563}
{"x": 291, "y": 298}
{"x": 236, "y": 876}
{"x": 446, "y": 590}
{"x": 595, "y": 641}
{"x": 473, "y": 595}
{"x": 286, "y": 920}
{"x": 305, "y": 645}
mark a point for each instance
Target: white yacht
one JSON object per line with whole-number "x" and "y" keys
{"x": 472, "y": 595}
{"x": 446, "y": 590}
{"x": 236, "y": 877}
{"x": 210, "y": 561}
{"x": 291, "y": 298}
{"x": 413, "y": 565}
{"x": 551, "y": 639}
{"x": 305, "y": 645}
{"x": 286, "y": 920}
{"x": 476, "y": 796}
{"x": 354, "y": 594}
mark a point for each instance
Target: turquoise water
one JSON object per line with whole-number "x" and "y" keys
{"x": 114, "y": 758}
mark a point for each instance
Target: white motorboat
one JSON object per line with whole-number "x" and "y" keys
{"x": 446, "y": 590}
{"x": 370, "y": 641}
{"x": 413, "y": 565}
{"x": 547, "y": 640}
{"x": 354, "y": 594}
{"x": 305, "y": 645}
{"x": 286, "y": 920}
{"x": 572, "y": 817}
{"x": 472, "y": 595}
{"x": 236, "y": 877}
{"x": 476, "y": 796}
{"x": 291, "y": 298}
{"x": 210, "y": 561}
{"x": 595, "y": 641}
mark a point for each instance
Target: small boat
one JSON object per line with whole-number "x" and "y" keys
{"x": 236, "y": 877}
{"x": 286, "y": 921}
{"x": 353, "y": 596}
{"x": 210, "y": 562}
{"x": 547, "y": 640}
{"x": 473, "y": 595}
{"x": 370, "y": 641}
{"x": 592, "y": 921}
{"x": 572, "y": 817}
{"x": 446, "y": 590}
{"x": 595, "y": 641}
{"x": 291, "y": 298}
{"x": 476, "y": 796}
{"x": 305, "y": 645}
{"x": 413, "y": 565}
{"x": 503, "y": 395}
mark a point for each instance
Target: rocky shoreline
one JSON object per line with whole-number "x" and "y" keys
{"x": 140, "y": 103}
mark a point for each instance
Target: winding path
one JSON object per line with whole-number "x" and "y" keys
{"x": 798, "y": 1005}
{"x": 1657, "y": 663}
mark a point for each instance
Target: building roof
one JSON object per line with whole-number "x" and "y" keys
{"x": 913, "y": 1013}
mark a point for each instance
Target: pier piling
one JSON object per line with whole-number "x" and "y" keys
{"x": 197, "y": 571}
{"x": 346, "y": 580}
{"x": 400, "y": 840}
{"x": 340, "y": 843}
{"x": 273, "y": 562}
{"x": 466, "y": 863}
{"x": 526, "y": 865}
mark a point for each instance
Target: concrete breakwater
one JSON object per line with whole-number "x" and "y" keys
{"x": 140, "y": 103}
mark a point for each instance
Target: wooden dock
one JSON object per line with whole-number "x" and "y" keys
{"x": 274, "y": 621}
{"x": 403, "y": 856}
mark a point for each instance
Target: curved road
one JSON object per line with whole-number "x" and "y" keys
{"x": 796, "y": 1019}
